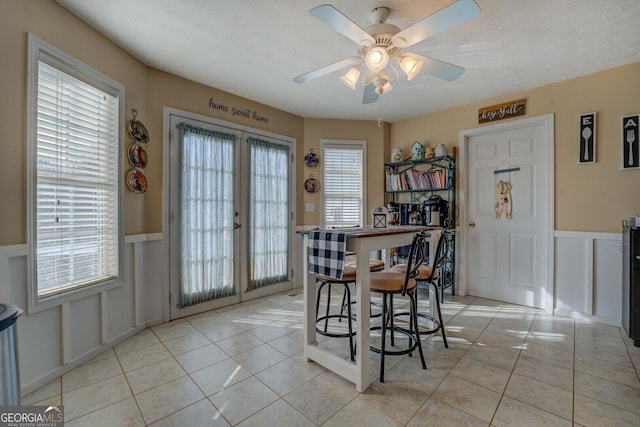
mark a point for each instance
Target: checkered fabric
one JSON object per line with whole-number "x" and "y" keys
{"x": 327, "y": 252}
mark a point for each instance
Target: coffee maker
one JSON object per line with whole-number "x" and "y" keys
{"x": 435, "y": 211}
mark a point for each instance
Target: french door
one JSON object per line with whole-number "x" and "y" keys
{"x": 230, "y": 214}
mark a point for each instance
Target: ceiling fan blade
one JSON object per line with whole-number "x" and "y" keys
{"x": 336, "y": 20}
{"x": 322, "y": 71}
{"x": 440, "y": 69}
{"x": 369, "y": 96}
{"x": 453, "y": 15}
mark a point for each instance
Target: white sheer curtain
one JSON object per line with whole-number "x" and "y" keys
{"x": 206, "y": 214}
{"x": 269, "y": 211}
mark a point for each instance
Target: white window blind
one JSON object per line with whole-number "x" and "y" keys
{"x": 76, "y": 203}
{"x": 343, "y": 185}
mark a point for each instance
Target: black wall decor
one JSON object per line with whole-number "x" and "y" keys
{"x": 587, "y": 138}
{"x": 630, "y": 144}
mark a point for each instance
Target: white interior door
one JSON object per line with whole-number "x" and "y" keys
{"x": 508, "y": 259}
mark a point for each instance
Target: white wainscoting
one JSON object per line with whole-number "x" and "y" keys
{"x": 588, "y": 276}
{"x": 54, "y": 341}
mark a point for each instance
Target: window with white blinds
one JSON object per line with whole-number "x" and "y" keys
{"x": 74, "y": 174}
{"x": 343, "y": 184}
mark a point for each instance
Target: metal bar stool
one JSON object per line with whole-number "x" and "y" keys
{"x": 390, "y": 283}
{"x": 348, "y": 277}
{"x": 428, "y": 276}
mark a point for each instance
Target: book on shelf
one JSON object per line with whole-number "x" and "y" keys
{"x": 413, "y": 180}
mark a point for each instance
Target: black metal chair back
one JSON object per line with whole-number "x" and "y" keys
{"x": 417, "y": 256}
{"x": 440, "y": 255}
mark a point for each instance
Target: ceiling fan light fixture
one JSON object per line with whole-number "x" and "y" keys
{"x": 411, "y": 67}
{"x": 368, "y": 77}
{"x": 351, "y": 77}
{"x": 377, "y": 58}
{"x": 382, "y": 83}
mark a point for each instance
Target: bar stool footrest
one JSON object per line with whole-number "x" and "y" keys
{"x": 333, "y": 334}
{"x": 423, "y": 331}
{"x": 413, "y": 343}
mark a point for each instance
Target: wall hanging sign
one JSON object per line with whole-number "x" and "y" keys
{"x": 502, "y": 111}
{"x": 587, "y": 138}
{"x": 503, "y": 199}
{"x": 630, "y": 143}
{"x": 246, "y": 113}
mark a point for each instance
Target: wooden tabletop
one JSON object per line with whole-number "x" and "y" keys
{"x": 362, "y": 232}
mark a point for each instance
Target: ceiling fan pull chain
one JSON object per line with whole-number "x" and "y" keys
{"x": 380, "y": 121}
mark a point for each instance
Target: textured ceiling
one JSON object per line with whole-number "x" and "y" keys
{"x": 253, "y": 48}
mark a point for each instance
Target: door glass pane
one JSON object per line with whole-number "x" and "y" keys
{"x": 268, "y": 237}
{"x": 206, "y": 214}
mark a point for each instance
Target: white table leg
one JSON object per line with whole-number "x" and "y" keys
{"x": 362, "y": 319}
{"x": 309, "y": 301}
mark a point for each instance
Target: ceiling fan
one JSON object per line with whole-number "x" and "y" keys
{"x": 381, "y": 47}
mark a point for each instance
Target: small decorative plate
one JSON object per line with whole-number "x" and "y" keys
{"x": 137, "y": 156}
{"x": 311, "y": 159}
{"x": 137, "y": 130}
{"x": 311, "y": 185}
{"x": 136, "y": 181}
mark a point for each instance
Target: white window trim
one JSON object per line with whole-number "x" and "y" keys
{"x": 70, "y": 65}
{"x": 347, "y": 144}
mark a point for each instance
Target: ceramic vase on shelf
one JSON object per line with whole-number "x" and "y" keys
{"x": 396, "y": 155}
{"x": 441, "y": 150}
{"x": 429, "y": 152}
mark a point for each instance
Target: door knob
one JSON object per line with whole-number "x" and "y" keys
{"x": 472, "y": 224}
{"x": 236, "y": 225}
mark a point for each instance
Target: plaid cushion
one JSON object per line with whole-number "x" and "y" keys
{"x": 327, "y": 252}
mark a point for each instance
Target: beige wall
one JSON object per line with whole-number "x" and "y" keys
{"x": 593, "y": 197}
{"x": 53, "y": 24}
{"x": 146, "y": 89}
{"x": 165, "y": 89}
{"x": 588, "y": 197}
{"x": 317, "y": 129}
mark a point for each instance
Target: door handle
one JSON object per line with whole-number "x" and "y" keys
{"x": 236, "y": 225}
{"x": 472, "y": 224}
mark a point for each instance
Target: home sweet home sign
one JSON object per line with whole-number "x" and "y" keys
{"x": 502, "y": 111}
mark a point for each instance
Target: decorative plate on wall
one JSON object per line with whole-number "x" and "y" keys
{"x": 137, "y": 156}
{"x": 311, "y": 159}
{"x": 311, "y": 185}
{"x": 137, "y": 130}
{"x": 136, "y": 181}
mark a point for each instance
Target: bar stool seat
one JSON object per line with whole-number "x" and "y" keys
{"x": 424, "y": 271}
{"x": 348, "y": 277}
{"x": 428, "y": 276}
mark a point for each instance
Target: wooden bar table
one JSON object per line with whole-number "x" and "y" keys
{"x": 362, "y": 241}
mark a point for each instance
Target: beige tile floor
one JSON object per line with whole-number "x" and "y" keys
{"x": 506, "y": 365}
